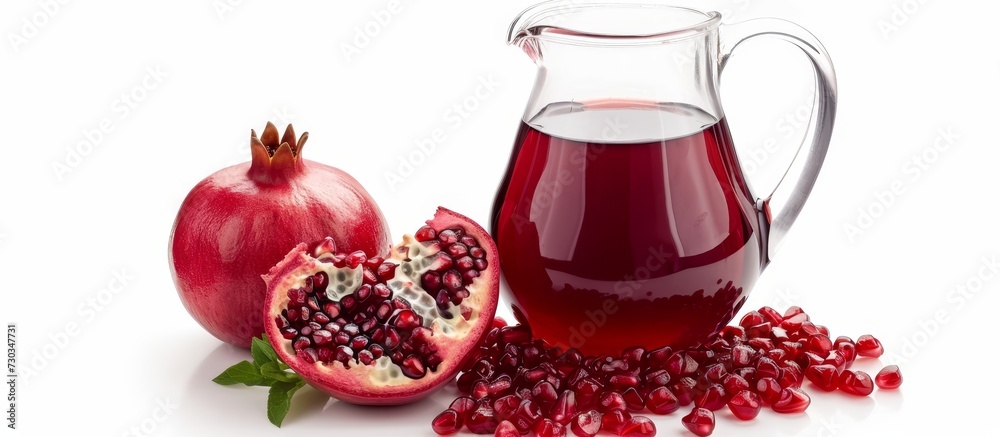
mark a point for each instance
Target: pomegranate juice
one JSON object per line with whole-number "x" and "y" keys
{"x": 629, "y": 225}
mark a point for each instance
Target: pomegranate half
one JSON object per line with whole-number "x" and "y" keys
{"x": 239, "y": 222}
{"x": 376, "y": 331}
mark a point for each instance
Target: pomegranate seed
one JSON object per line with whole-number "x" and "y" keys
{"x": 616, "y": 366}
{"x": 819, "y": 344}
{"x": 681, "y": 364}
{"x": 856, "y": 383}
{"x": 444, "y": 261}
{"x": 793, "y": 311}
{"x": 499, "y": 385}
{"x": 586, "y": 424}
{"x": 638, "y": 426}
{"x": 431, "y": 281}
{"x": 482, "y": 420}
{"x": 808, "y": 329}
{"x": 308, "y": 355}
{"x": 468, "y": 241}
{"x": 466, "y": 265}
{"x": 325, "y": 354}
{"x": 791, "y": 400}
{"x": 759, "y": 332}
{"x": 514, "y": 334}
{"x": 407, "y": 320}
{"x": 751, "y": 318}
{"x": 848, "y": 351}
{"x": 868, "y": 346}
{"x": 338, "y": 260}
{"x": 657, "y": 378}
{"x": 889, "y": 378}
{"x": 656, "y": 358}
{"x": 458, "y": 250}
{"x": 713, "y": 399}
{"x": 452, "y": 280}
{"x": 447, "y": 237}
{"x": 322, "y": 337}
{"x": 767, "y": 368}
{"x": 480, "y": 389}
{"x": 364, "y": 357}
{"x": 700, "y": 422}
{"x": 793, "y": 323}
{"x": 749, "y": 374}
{"x": 824, "y": 376}
{"x": 633, "y": 400}
{"x": 506, "y": 406}
{"x": 715, "y": 372}
{"x": 343, "y": 354}
{"x": 613, "y": 421}
{"x": 735, "y": 384}
{"x": 385, "y": 272}
{"x": 354, "y": 259}
{"x": 549, "y": 428}
{"x": 836, "y": 359}
{"x": 507, "y": 429}
{"x": 623, "y": 381}
{"x": 527, "y": 415}
{"x": 770, "y": 315}
{"x": 791, "y": 375}
{"x": 792, "y": 348}
{"x": 545, "y": 393}
{"x": 684, "y": 390}
{"x": 776, "y": 355}
{"x": 301, "y": 343}
{"x": 662, "y": 401}
{"x": 565, "y": 407}
{"x": 769, "y": 390}
{"x": 587, "y": 391}
{"x": 425, "y": 233}
{"x": 320, "y": 279}
{"x": 745, "y": 405}
{"x": 447, "y": 423}
{"x": 612, "y": 401}
{"x": 412, "y": 367}
{"x": 742, "y": 355}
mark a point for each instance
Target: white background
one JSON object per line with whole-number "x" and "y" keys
{"x": 229, "y": 69}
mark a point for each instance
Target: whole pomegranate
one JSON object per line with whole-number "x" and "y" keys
{"x": 240, "y": 221}
{"x": 385, "y": 331}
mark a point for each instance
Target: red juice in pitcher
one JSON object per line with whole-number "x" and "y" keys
{"x": 624, "y": 224}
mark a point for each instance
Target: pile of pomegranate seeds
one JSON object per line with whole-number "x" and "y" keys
{"x": 516, "y": 385}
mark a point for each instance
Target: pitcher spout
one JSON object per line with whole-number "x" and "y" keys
{"x": 522, "y": 31}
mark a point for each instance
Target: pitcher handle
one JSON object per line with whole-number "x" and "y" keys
{"x": 789, "y": 196}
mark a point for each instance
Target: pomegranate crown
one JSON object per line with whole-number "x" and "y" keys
{"x": 272, "y": 159}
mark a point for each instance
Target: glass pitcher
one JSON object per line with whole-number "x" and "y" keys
{"x": 624, "y": 217}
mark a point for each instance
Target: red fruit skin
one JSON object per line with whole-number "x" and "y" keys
{"x": 239, "y": 222}
{"x": 356, "y": 385}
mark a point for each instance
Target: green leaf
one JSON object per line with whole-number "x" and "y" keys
{"x": 242, "y": 372}
{"x": 279, "y": 400}
{"x": 262, "y": 352}
{"x": 275, "y": 372}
